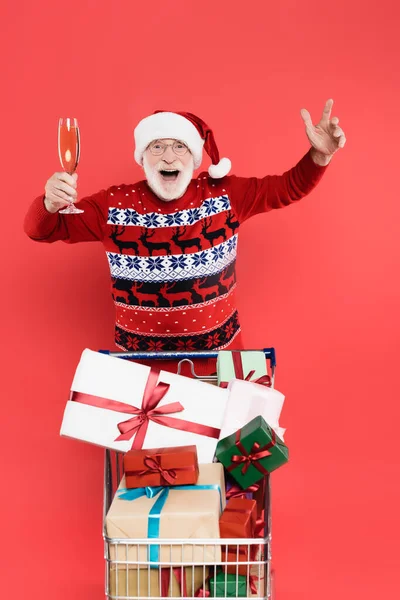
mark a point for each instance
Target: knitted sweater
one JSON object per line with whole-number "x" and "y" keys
{"x": 172, "y": 264}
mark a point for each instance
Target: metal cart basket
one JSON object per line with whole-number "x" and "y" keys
{"x": 189, "y": 575}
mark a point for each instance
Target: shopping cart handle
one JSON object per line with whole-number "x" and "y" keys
{"x": 269, "y": 355}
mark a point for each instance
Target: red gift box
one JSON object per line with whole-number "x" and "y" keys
{"x": 238, "y": 520}
{"x": 161, "y": 466}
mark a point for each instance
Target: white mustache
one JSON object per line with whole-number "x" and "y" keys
{"x": 164, "y": 167}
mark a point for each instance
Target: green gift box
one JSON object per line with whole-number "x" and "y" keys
{"x": 252, "y": 452}
{"x": 250, "y": 365}
{"x": 228, "y": 586}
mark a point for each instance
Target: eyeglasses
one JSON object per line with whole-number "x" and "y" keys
{"x": 158, "y": 148}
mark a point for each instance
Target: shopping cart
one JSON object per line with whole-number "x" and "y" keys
{"x": 134, "y": 580}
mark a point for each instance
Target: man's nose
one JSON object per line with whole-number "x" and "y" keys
{"x": 169, "y": 155}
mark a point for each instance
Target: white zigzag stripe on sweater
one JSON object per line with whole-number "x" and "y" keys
{"x": 173, "y": 267}
{"x": 190, "y": 216}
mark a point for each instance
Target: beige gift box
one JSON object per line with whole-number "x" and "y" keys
{"x": 136, "y": 583}
{"x": 186, "y": 514}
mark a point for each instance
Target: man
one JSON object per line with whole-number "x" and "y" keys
{"x": 170, "y": 239}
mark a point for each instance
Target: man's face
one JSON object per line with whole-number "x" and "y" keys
{"x": 168, "y": 174}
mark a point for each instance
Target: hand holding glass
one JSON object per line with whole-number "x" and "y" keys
{"x": 69, "y": 151}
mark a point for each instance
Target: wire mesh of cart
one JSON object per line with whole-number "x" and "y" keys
{"x": 185, "y": 566}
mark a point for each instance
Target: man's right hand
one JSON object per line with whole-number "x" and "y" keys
{"x": 60, "y": 191}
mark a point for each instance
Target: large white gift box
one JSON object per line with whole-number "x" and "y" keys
{"x": 107, "y": 391}
{"x": 248, "y": 400}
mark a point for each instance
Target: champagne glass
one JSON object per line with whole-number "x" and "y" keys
{"x": 69, "y": 151}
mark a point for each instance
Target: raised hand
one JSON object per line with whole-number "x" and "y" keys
{"x": 326, "y": 137}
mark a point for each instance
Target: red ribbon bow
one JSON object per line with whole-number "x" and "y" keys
{"x": 239, "y": 373}
{"x": 153, "y": 464}
{"x": 237, "y": 492}
{"x": 138, "y": 424}
{"x": 253, "y": 457}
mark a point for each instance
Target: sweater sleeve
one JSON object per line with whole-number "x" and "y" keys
{"x": 42, "y": 226}
{"x": 251, "y": 195}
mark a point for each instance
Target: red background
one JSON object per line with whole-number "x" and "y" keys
{"x": 319, "y": 281}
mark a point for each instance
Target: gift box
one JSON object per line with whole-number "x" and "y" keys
{"x": 228, "y": 585}
{"x": 248, "y": 365}
{"x": 161, "y": 466}
{"x": 254, "y": 582}
{"x": 120, "y": 404}
{"x": 252, "y": 452}
{"x": 180, "y": 512}
{"x": 248, "y": 400}
{"x": 171, "y": 582}
{"x": 237, "y": 521}
{"x": 255, "y": 492}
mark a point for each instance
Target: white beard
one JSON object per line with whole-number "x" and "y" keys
{"x": 168, "y": 190}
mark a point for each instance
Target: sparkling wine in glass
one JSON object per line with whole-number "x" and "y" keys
{"x": 68, "y": 151}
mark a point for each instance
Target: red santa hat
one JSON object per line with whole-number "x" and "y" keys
{"x": 187, "y": 128}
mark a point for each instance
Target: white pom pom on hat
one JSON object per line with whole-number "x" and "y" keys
{"x": 221, "y": 169}
{"x": 187, "y": 128}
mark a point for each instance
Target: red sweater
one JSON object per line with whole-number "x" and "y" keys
{"x": 172, "y": 263}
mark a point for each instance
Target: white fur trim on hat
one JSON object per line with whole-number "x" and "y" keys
{"x": 168, "y": 125}
{"x": 221, "y": 169}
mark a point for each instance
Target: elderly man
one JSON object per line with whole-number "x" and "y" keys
{"x": 171, "y": 239}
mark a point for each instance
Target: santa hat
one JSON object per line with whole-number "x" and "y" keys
{"x": 187, "y": 128}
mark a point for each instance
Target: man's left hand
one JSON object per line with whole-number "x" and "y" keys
{"x": 325, "y": 138}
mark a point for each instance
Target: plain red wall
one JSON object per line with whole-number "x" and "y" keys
{"x": 319, "y": 281}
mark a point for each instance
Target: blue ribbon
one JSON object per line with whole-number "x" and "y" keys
{"x": 153, "y": 524}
